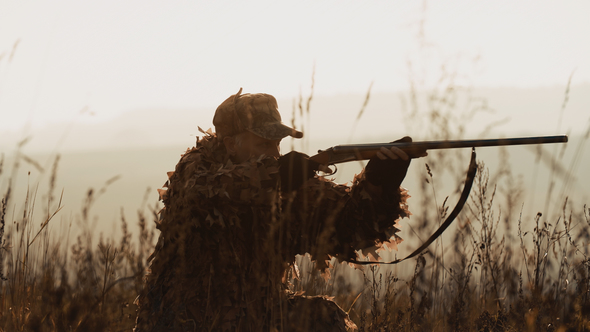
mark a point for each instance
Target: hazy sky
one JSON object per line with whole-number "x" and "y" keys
{"x": 109, "y": 57}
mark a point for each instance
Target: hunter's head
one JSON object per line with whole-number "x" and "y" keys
{"x": 250, "y": 125}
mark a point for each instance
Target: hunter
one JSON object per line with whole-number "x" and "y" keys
{"x": 237, "y": 212}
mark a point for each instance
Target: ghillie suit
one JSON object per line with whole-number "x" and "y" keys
{"x": 228, "y": 236}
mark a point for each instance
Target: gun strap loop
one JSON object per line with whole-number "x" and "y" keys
{"x": 462, "y": 200}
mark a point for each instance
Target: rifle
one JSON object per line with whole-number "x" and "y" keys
{"x": 349, "y": 152}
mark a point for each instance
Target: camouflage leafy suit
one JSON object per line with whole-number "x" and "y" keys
{"x": 230, "y": 231}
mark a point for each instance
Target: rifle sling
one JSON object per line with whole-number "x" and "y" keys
{"x": 462, "y": 200}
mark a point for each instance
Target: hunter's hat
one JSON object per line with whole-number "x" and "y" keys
{"x": 257, "y": 113}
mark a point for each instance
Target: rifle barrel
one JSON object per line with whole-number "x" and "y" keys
{"x": 430, "y": 145}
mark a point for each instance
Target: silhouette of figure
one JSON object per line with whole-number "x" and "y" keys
{"x": 236, "y": 213}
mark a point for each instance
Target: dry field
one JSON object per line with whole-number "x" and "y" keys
{"x": 492, "y": 274}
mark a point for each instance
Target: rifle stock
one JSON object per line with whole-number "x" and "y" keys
{"x": 349, "y": 152}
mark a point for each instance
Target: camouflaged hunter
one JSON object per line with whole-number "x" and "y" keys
{"x": 230, "y": 229}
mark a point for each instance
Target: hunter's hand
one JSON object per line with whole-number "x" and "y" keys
{"x": 392, "y": 153}
{"x": 397, "y": 153}
{"x": 388, "y": 167}
{"x": 295, "y": 168}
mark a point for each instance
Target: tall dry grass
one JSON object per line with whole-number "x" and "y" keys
{"x": 54, "y": 281}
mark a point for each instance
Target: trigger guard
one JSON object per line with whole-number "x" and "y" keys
{"x": 331, "y": 172}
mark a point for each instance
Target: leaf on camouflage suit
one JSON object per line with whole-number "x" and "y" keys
{"x": 162, "y": 193}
